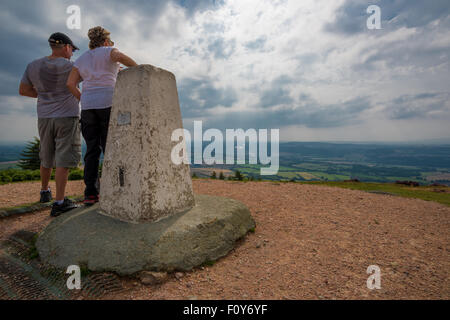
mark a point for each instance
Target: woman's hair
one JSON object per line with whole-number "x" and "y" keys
{"x": 97, "y": 37}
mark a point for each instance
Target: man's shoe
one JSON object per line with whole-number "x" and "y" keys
{"x": 90, "y": 200}
{"x": 67, "y": 205}
{"x": 46, "y": 196}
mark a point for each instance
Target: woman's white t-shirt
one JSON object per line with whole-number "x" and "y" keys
{"x": 99, "y": 74}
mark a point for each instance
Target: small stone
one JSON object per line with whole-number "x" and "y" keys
{"x": 192, "y": 298}
{"x": 151, "y": 278}
{"x": 179, "y": 275}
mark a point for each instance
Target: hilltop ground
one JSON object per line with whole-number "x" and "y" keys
{"x": 311, "y": 242}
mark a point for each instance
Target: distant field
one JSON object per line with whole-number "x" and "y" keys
{"x": 438, "y": 176}
{"x": 207, "y": 172}
{"x": 428, "y": 193}
{"x": 311, "y": 161}
{"x": 307, "y": 175}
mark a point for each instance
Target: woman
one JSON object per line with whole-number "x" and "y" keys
{"x": 97, "y": 69}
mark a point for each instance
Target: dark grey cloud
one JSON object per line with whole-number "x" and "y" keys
{"x": 197, "y": 95}
{"x": 309, "y": 114}
{"x": 277, "y": 94}
{"x": 19, "y": 46}
{"x": 397, "y": 55}
{"x": 424, "y": 105}
{"x": 352, "y": 16}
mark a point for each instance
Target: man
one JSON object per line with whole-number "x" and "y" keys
{"x": 58, "y": 118}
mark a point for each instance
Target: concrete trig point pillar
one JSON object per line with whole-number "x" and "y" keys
{"x": 141, "y": 185}
{"x": 139, "y": 181}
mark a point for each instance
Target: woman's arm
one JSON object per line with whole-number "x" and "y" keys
{"x": 73, "y": 81}
{"x": 117, "y": 56}
{"x": 27, "y": 90}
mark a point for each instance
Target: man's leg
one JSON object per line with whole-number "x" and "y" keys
{"x": 46, "y": 173}
{"x": 61, "y": 176}
{"x": 90, "y": 129}
{"x": 68, "y": 152}
{"x": 46, "y": 155}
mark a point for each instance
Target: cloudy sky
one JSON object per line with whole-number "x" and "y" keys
{"x": 311, "y": 68}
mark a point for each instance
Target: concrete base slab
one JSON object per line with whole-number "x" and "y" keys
{"x": 86, "y": 237}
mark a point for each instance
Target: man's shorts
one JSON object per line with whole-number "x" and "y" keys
{"x": 60, "y": 142}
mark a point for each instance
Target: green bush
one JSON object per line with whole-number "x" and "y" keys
{"x": 28, "y": 175}
{"x": 36, "y": 174}
{"x": 20, "y": 176}
{"x": 5, "y": 179}
{"x": 76, "y": 174}
{"x": 17, "y": 175}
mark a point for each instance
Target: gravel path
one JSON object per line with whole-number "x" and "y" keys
{"x": 311, "y": 242}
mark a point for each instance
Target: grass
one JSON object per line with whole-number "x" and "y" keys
{"x": 33, "y": 252}
{"x": 32, "y": 204}
{"x": 208, "y": 263}
{"x": 424, "y": 192}
{"x": 84, "y": 270}
{"x": 328, "y": 176}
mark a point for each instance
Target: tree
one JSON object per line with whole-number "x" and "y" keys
{"x": 238, "y": 175}
{"x": 214, "y": 176}
{"x": 221, "y": 176}
{"x": 29, "y": 157}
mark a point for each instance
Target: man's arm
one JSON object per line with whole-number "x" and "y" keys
{"x": 117, "y": 56}
{"x": 73, "y": 81}
{"x": 27, "y": 90}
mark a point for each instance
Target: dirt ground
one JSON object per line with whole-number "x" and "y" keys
{"x": 311, "y": 242}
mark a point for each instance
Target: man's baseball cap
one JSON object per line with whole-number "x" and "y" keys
{"x": 61, "y": 38}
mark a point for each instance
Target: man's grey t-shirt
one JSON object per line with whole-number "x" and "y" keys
{"x": 49, "y": 78}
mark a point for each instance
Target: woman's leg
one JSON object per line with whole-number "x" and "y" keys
{"x": 103, "y": 115}
{"x": 90, "y": 128}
